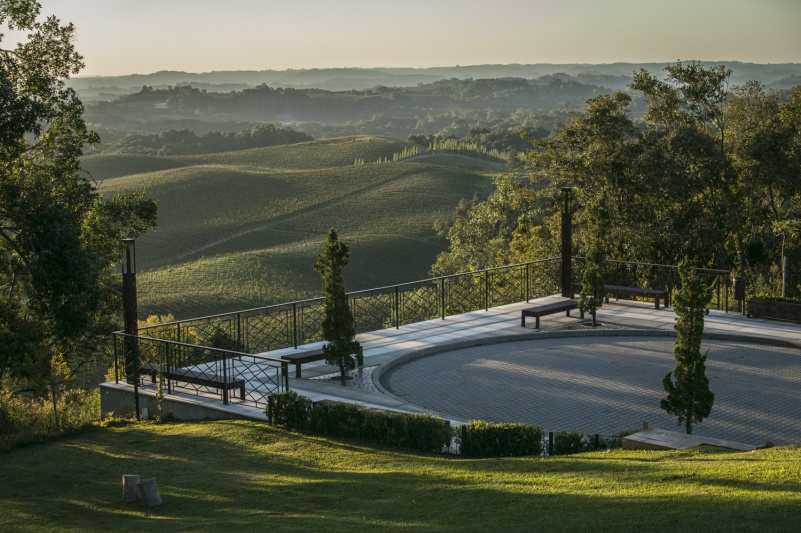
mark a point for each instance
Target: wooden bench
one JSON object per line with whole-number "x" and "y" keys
{"x": 195, "y": 377}
{"x": 304, "y": 357}
{"x": 617, "y": 290}
{"x": 549, "y": 309}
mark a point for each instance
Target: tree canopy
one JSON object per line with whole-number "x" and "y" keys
{"x": 59, "y": 238}
{"x": 712, "y": 173}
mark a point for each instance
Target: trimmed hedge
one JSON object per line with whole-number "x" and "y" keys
{"x": 485, "y": 439}
{"x": 568, "y": 442}
{"x": 427, "y": 433}
{"x": 334, "y": 419}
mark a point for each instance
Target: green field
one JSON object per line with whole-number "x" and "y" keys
{"x": 246, "y": 476}
{"x": 242, "y": 229}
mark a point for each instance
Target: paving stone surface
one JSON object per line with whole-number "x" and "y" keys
{"x": 605, "y": 385}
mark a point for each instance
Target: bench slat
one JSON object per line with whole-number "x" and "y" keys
{"x": 617, "y": 290}
{"x": 548, "y": 309}
{"x": 300, "y": 358}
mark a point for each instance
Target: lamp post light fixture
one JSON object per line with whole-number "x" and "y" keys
{"x": 131, "y": 327}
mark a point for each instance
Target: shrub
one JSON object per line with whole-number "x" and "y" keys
{"x": 25, "y": 419}
{"x": 351, "y": 421}
{"x": 485, "y": 439}
{"x": 567, "y": 442}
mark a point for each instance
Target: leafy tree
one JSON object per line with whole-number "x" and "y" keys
{"x": 482, "y": 232}
{"x": 58, "y": 237}
{"x": 338, "y": 327}
{"x": 710, "y": 175}
{"x": 689, "y": 398}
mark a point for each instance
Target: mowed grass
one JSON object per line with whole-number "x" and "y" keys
{"x": 242, "y": 229}
{"x": 246, "y": 476}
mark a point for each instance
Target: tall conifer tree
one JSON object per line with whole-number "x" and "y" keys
{"x": 342, "y": 349}
{"x": 689, "y": 397}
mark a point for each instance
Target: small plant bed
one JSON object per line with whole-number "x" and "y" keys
{"x": 780, "y": 308}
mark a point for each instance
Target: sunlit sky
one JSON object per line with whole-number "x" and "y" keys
{"x": 144, "y": 36}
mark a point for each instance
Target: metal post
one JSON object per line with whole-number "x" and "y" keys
{"x": 240, "y": 345}
{"x": 295, "y": 325}
{"x": 528, "y": 282}
{"x": 129, "y": 315}
{"x": 442, "y": 297}
{"x": 567, "y": 245}
{"x": 397, "y": 308}
{"x": 486, "y": 290}
{"x": 116, "y": 357}
{"x": 225, "y": 379}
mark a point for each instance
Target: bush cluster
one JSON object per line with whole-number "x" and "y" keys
{"x": 486, "y": 439}
{"x": 568, "y": 442}
{"x": 412, "y": 431}
{"x": 25, "y": 419}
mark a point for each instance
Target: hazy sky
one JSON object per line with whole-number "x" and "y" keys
{"x": 144, "y": 36}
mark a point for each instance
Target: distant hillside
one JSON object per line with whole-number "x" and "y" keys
{"x": 460, "y": 102}
{"x": 612, "y": 75}
{"x": 242, "y": 229}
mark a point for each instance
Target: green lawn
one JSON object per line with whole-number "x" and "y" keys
{"x": 245, "y": 476}
{"x": 242, "y": 229}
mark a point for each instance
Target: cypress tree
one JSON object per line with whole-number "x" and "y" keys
{"x": 688, "y": 395}
{"x": 342, "y": 349}
{"x": 592, "y": 282}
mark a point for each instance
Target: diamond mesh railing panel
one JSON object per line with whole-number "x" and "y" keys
{"x": 420, "y": 303}
{"x": 464, "y": 293}
{"x": 203, "y": 371}
{"x": 310, "y": 322}
{"x": 506, "y": 286}
{"x": 271, "y": 330}
{"x": 544, "y": 279}
{"x": 372, "y": 311}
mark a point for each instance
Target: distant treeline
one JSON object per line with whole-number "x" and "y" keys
{"x": 395, "y": 107}
{"x": 185, "y": 142}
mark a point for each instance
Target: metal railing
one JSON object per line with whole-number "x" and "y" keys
{"x": 661, "y": 277}
{"x": 202, "y": 370}
{"x": 296, "y": 323}
{"x": 225, "y": 345}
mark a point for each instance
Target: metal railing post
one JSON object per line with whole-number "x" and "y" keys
{"x": 295, "y": 325}
{"x": 442, "y": 297}
{"x": 116, "y": 355}
{"x": 225, "y": 380}
{"x": 397, "y": 307}
{"x": 240, "y": 345}
{"x": 486, "y": 290}
{"x": 528, "y": 282}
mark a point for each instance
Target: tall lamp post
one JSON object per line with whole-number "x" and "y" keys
{"x": 130, "y": 324}
{"x": 567, "y": 245}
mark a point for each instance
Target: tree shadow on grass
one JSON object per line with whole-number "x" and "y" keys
{"x": 244, "y": 476}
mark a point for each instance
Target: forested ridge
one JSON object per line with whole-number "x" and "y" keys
{"x": 711, "y": 174}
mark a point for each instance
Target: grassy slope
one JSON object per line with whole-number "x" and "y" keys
{"x": 246, "y": 476}
{"x": 242, "y": 229}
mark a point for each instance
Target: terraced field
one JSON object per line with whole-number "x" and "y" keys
{"x": 242, "y": 229}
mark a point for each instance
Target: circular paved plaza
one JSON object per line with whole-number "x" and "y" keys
{"x": 607, "y": 384}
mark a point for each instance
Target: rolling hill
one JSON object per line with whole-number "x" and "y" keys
{"x": 242, "y": 229}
